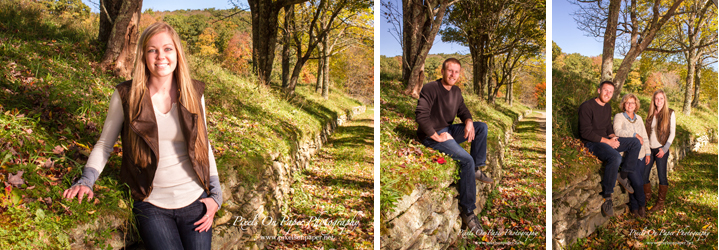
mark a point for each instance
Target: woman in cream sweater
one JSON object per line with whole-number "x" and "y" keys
{"x": 629, "y": 124}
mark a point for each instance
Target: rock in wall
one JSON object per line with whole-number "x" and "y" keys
{"x": 429, "y": 218}
{"x": 576, "y": 211}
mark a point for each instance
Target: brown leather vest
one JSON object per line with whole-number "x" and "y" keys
{"x": 140, "y": 179}
{"x": 663, "y": 138}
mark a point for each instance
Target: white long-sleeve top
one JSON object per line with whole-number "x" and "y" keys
{"x": 654, "y": 140}
{"x": 626, "y": 127}
{"x": 176, "y": 184}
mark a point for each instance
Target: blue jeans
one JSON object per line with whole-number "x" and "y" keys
{"x": 661, "y": 167}
{"x": 162, "y": 228}
{"x": 612, "y": 159}
{"x": 466, "y": 186}
{"x": 637, "y": 199}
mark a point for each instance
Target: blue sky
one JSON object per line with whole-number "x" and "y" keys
{"x": 389, "y": 46}
{"x": 565, "y": 34}
{"x": 176, "y": 4}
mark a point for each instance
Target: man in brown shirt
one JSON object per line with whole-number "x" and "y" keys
{"x": 438, "y": 105}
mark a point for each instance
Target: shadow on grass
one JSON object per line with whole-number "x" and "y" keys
{"x": 362, "y": 120}
{"x": 51, "y": 105}
{"x": 361, "y": 136}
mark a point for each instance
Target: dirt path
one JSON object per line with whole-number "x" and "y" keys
{"x": 518, "y": 203}
{"x": 337, "y": 188}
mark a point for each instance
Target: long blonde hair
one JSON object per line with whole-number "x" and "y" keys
{"x": 189, "y": 96}
{"x": 661, "y": 115}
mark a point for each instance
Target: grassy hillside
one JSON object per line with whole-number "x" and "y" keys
{"x": 53, "y": 101}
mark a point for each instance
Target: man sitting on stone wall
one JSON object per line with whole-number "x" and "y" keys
{"x": 597, "y": 133}
{"x": 439, "y": 103}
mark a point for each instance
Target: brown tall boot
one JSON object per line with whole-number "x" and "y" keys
{"x": 661, "y": 197}
{"x": 648, "y": 191}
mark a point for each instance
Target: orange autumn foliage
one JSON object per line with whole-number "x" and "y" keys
{"x": 238, "y": 54}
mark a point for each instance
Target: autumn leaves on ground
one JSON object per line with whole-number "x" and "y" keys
{"x": 688, "y": 221}
{"x": 337, "y": 187}
{"x": 518, "y": 204}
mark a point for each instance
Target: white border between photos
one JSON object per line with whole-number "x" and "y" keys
{"x": 548, "y": 120}
{"x": 376, "y": 124}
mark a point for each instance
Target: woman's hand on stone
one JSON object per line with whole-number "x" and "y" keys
{"x": 80, "y": 191}
{"x": 206, "y": 221}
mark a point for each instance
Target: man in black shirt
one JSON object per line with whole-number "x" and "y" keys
{"x": 597, "y": 133}
{"x": 439, "y": 103}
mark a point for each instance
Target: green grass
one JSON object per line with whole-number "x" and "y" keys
{"x": 691, "y": 206}
{"x": 53, "y": 102}
{"x": 337, "y": 186}
{"x": 406, "y": 163}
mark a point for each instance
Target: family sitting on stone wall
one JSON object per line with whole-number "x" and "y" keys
{"x": 439, "y": 103}
{"x": 628, "y": 134}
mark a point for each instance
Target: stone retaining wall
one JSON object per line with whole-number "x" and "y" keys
{"x": 576, "y": 211}
{"x": 429, "y": 218}
{"x": 266, "y": 199}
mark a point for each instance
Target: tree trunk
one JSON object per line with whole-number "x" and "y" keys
{"x": 320, "y": 70}
{"x": 326, "y": 76}
{"x": 316, "y": 34}
{"x": 697, "y": 83}
{"x": 122, "y": 39}
{"x": 476, "y": 78}
{"x": 108, "y": 9}
{"x": 610, "y": 36}
{"x": 509, "y": 89}
{"x": 264, "y": 34}
{"x": 639, "y": 45}
{"x": 689, "y": 92}
{"x": 483, "y": 67}
{"x": 420, "y": 24}
{"x": 286, "y": 44}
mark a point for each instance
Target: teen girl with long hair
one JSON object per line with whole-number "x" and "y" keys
{"x": 167, "y": 160}
{"x": 661, "y": 125}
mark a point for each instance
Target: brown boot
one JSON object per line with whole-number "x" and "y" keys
{"x": 642, "y": 212}
{"x": 661, "y": 198}
{"x": 648, "y": 191}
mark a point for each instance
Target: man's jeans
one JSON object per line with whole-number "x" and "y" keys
{"x": 661, "y": 167}
{"x": 468, "y": 161}
{"x": 611, "y": 158}
{"x": 162, "y": 228}
{"x": 637, "y": 199}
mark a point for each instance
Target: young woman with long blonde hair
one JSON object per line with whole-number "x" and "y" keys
{"x": 661, "y": 125}
{"x": 167, "y": 160}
